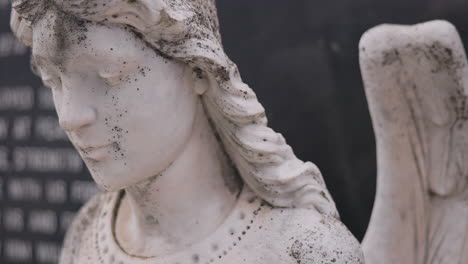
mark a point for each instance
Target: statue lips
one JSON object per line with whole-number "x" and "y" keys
{"x": 93, "y": 153}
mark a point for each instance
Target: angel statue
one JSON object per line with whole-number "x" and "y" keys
{"x": 190, "y": 170}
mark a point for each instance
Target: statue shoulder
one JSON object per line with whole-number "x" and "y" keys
{"x": 81, "y": 226}
{"x": 311, "y": 238}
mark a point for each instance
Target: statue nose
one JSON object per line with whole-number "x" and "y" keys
{"x": 75, "y": 118}
{"x": 75, "y": 104}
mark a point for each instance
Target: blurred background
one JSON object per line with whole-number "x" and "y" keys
{"x": 300, "y": 57}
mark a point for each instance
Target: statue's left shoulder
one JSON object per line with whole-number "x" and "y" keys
{"x": 311, "y": 238}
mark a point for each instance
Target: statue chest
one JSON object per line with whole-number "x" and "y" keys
{"x": 246, "y": 236}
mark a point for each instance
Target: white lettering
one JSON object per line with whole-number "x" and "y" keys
{"x": 3, "y": 128}
{"x": 47, "y": 252}
{"x": 10, "y": 46}
{"x": 42, "y": 222}
{"x": 47, "y": 128}
{"x": 65, "y": 220}
{"x": 13, "y": 219}
{"x": 16, "y": 97}
{"x": 4, "y": 164}
{"x": 56, "y": 191}
{"x": 82, "y": 191}
{"x": 18, "y": 250}
{"x": 46, "y": 160}
{"x": 24, "y": 189}
{"x": 21, "y": 128}
{"x": 45, "y": 98}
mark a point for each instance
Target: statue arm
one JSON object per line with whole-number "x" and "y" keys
{"x": 415, "y": 79}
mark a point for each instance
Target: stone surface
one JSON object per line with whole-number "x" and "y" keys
{"x": 253, "y": 232}
{"x": 146, "y": 94}
{"x": 416, "y": 80}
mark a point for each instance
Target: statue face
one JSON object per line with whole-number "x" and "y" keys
{"x": 127, "y": 110}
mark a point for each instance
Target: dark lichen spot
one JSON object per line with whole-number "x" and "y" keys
{"x": 215, "y": 247}
{"x": 198, "y": 72}
{"x": 297, "y": 251}
{"x": 389, "y": 57}
{"x": 242, "y": 215}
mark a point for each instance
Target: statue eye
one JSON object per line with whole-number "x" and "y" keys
{"x": 52, "y": 82}
{"x": 112, "y": 79}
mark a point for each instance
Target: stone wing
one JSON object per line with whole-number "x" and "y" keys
{"x": 416, "y": 82}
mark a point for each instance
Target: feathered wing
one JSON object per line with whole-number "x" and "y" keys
{"x": 416, "y": 82}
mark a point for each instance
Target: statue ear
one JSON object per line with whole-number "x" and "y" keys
{"x": 200, "y": 81}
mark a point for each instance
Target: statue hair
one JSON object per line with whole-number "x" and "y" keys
{"x": 188, "y": 31}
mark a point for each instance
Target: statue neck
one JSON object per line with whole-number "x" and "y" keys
{"x": 182, "y": 205}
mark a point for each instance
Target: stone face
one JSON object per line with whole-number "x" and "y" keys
{"x": 416, "y": 81}
{"x": 177, "y": 141}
